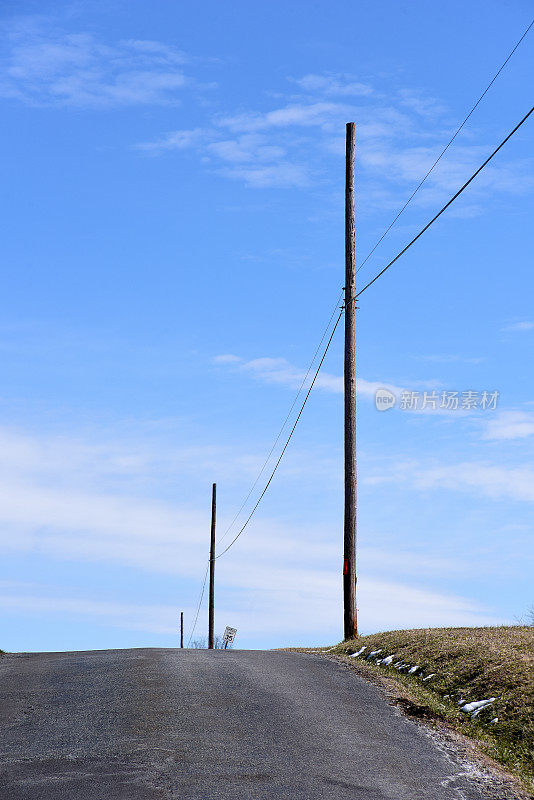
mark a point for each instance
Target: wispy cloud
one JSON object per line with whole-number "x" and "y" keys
{"x": 271, "y": 594}
{"x": 496, "y": 482}
{"x": 226, "y": 358}
{"x": 479, "y": 478}
{"x": 406, "y": 165}
{"x": 399, "y": 137}
{"x": 283, "y": 147}
{"x": 270, "y": 175}
{"x": 63, "y": 497}
{"x": 48, "y": 66}
{"x": 510, "y": 425}
{"x": 423, "y": 105}
{"x": 279, "y": 370}
{"x": 178, "y": 140}
{"x": 448, "y": 358}
{"x": 519, "y": 327}
{"x": 249, "y": 157}
{"x": 157, "y": 619}
{"x": 307, "y": 115}
{"x": 331, "y": 83}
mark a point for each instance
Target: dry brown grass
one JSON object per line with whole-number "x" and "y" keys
{"x": 471, "y": 664}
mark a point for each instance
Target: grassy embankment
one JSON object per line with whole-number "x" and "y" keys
{"x": 469, "y": 664}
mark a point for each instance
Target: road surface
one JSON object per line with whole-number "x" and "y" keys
{"x": 152, "y": 724}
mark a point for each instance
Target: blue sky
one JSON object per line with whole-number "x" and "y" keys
{"x": 172, "y": 250}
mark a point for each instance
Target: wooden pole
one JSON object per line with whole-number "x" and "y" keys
{"x": 181, "y": 628}
{"x": 212, "y": 568}
{"x": 349, "y": 548}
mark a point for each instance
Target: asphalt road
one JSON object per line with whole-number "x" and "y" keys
{"x": 153, "y": 724}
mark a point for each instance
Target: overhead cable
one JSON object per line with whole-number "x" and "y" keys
{"x": 451, "y": 140}
{"x": 445, "y": 207}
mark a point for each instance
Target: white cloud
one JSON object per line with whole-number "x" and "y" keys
{"x": 44, "y": 66}
{"x": 283, "y": 175}
{"x": 104, "y": 460}
{"x": 449, "y": 359}
{"x": 308, "y": 602}
{"x": 333, "y": 84}
{"x": 422, "y": 104}
{"x": 516, "y": 483}
{"x": 519, "y": 327}
{"x": 155, "y": 52}
{"x": 149, "y": 618}
{"x": 510, "y": 425}
{"x": 176, "y": 140}
{"x": 279, "y": 370}
{"x": 296, "y": 114}
{"x": 248, "y": 157}
{"x": 408, "y": 164}
{"x": 399, "y": 138}
{"x": 226, "y": 358}
{"x": 74, "y": 499}
{"x": 249, "y": 147}
{"x": 61, "y": 497}
{"x": 70, "y": 523}
{"x": 473, "y": 477}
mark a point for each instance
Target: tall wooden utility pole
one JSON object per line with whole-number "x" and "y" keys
{"x": 181, "y": 628}
{"x": 350, "y": 623}
{"x": 212, "y": 568}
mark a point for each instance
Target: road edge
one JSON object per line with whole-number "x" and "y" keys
{"x": 494, "y": 776}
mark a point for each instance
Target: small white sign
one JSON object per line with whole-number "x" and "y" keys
{"x": 229, "y": 634}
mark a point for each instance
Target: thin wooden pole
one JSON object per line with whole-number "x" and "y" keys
{"x": 181, "y": 628}
{"x": 349, "y": 543}
{"x": 212, "y": 568}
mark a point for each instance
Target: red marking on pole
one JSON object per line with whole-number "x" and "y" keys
{"x": 346, "y": 566}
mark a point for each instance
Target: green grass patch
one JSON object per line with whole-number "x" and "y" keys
{"x": 470, "y": 664}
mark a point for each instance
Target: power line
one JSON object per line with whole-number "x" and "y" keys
{"x": 423, "y": 230}
{"x": 488, "y": 87}
{"x": 269, "y": 456}
{"x": 305, "y": 378}
{"x": 288, "y": 439}
{"x": 458, "y": 193}
{"x": 199, "y": 604}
